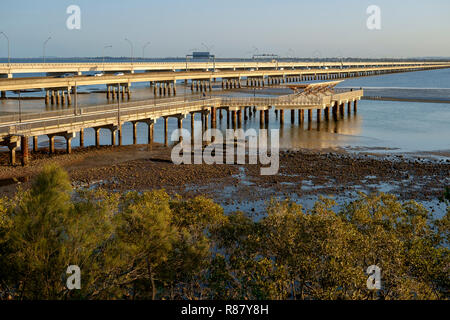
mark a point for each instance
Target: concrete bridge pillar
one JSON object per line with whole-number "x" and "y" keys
{"x": 335, "y": 111}
{"x": 122, "y": 92}
{"x": 151, "y": 132}
{"x": 134, "y": 123}
{"x": 120, "y": 133}
{"x": 292, "y": 116}
{"x": 180, "y": 126}
{"x": 266, "y": 118}
{"x": 35, "y": 144}
{"x": 319, "y": 113}
{"x": 245, "y": 114}
{"x": 25, "y": 151}
{"x": 3, "y": 94}
{"x": 12, "y": 154}
{"x": 58, "y": 97}
{"x": 69, "y": 97}
{"x": 206, "y": 113}
{"x": 108, "y": 92}
{"x": 113, "y": 130}
{"x": 310, "y": 115}
{"x": 302, "y": 113}
{"x": 355, "y": 106}
{"x": 299, "y": 115}
{"x": 228, "y": 119}
{"x": 341, "y": 109}
{"x": 69, "y": 136}
{"x": 81, "y": 137}
{"x": 97, "y": 137}
{"x": 327, "y": 113}
{"x": 63, "y": 97}
{"x": 281, "y": 117}
{"x": 233, "y": 119}
{"x": 47, "y": 97}
{"x": 213, "y": 118}
{"x": 349, "y": 107}
{"x": 166, "y": 131}
{"x": 51, "y": 144}
{"x": 192, "y": 127}
{"x": 128, "y": 92}
{"x": 174, "y": 88}
{"x": 239, "y": 116}
{"x": 261, "y": 118}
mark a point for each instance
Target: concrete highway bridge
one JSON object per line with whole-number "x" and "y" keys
{"x": 8, "y": 70}
{"x": 321, "y": 97}
{"x": 231, "y": 75}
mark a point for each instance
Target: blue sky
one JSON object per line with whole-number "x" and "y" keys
{"x": 320, "y": 28}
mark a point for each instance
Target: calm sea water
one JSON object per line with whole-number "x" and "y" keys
{"x": 381, "y": 126}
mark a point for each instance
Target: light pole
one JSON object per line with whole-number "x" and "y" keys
{"x": 9, "y": 56}
{"x": 131, "y": 45}
{"x": 43, "y": 47}
{"x": 103, "y": 55}
{"x": 143, "y": 49}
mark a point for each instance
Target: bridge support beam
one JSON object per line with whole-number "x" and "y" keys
{"x": 355, "y": 106}
{"x": 134, "y": 123}
{"x": 12, "y": 154}
{"x": 319, "y": 113}
{"x": 261, "y": 118}
{"x": 166, "y": 131}
{"x": 81, "y": 137}
{"x": 180, "y": 126}
{"x": 25, "y": 150}
{"x": 51, "y": 144}
{"x": 233, "y": 119}
{"x": 97, "y": 137}
{"x": 292, "y": 116}
{"x": 35, "y": 144}
{"x": 239, "y": 116}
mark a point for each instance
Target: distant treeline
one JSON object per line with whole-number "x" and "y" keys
{"x": 153, "y": 246}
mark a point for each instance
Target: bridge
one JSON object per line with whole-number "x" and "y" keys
{"x": 8, "y": 70}
{"x": 164, "y": 82}
{"x": 322, "y": 97}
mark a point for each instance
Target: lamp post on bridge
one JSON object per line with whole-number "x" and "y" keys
{"x": 132, "y": 49}
{"x": 9, "y": 56}
{"x": 43, "y": 48}
{"x": 143, "y": 49}
{"x": 103, "y": 55}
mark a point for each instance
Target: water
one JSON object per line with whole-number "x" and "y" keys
{"x": 381, "y": 126}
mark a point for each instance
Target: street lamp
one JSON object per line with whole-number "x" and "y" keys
{"x": 103, "y": 55}
{"x": 131, "y": 45}
{"x": 9, "y": 56}
{"x": 143, "y": 49}
{"x": 43, "y": 50}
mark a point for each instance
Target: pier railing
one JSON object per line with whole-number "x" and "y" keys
{"x": 155, "y": 108}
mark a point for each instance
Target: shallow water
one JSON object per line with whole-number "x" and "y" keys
{"x": 379, "y": 126}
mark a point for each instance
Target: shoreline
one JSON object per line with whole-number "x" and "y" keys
{"x": 303, "y": 174}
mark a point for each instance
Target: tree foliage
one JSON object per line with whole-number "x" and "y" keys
{"x": 152, "y": 246}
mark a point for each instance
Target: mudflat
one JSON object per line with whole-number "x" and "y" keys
{"x": 301, "y": 173}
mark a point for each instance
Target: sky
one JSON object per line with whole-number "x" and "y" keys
{"x": 228, "y": 28}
